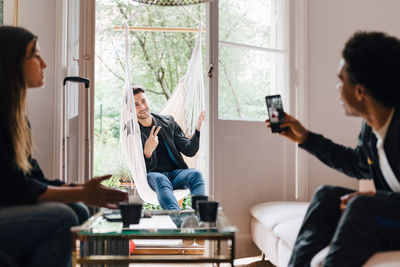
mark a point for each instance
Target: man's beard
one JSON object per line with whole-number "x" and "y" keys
{"x": 143, "y": 116}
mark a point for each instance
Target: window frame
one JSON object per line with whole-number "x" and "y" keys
{"x": 280, "y": 31}
{"x": 295, "y": 78}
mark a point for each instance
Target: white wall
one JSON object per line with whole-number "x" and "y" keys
{"x": 39, "y": 17}
{"x": 330, "y": 24}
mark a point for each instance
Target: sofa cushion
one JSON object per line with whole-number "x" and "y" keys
{"x": 269, "y": 214}
{"x": 265, "y": 240}
{"x": 288, "y": 230}
{"x": 284, "y": 253}
{"x": 267, "y": 232}
{"x": 275, "y": 227}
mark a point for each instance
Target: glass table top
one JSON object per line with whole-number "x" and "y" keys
{"x": 156, "y": 224}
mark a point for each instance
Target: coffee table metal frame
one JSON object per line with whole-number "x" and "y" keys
{"x": 82, "y": 232}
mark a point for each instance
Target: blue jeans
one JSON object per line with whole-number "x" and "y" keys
{"x": 165, "y": 183}
{"x": 39, "y": 234}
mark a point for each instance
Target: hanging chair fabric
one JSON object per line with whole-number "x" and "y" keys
{"x": 172, "y": 2}
{"x": 185, "y": 105}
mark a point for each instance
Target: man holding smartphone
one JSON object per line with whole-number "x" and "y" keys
{"x": 356, "y": 225}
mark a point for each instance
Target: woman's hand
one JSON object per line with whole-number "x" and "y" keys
{"x": 346, "y": 198}
{"x": 96, "y": 194}
{"x": 200, "y": 120}
{"x": 296, "y": 131}
{"x": 151, "y": 142}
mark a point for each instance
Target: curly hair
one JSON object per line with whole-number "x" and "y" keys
{"x": 373, "y": 60}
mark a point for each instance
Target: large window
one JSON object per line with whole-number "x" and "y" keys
{"x": 158, "y": 61}
{"x": 251, "y": 52}
{"x": 252, "y": 56}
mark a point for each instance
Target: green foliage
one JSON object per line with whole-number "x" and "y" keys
{"x": 113, "y": 182}
{"x": 244, "y": 81}
{"x": 186, "y": 204}
{"x": 244, "y": 75}
{"x": 158, "y": 60}
{"x": 1, "y": 11}
{"x": 148, "y": 206}
{"x": 109, "y": 159}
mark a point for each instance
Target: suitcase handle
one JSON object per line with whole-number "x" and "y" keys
{"x": 77, "y": 79}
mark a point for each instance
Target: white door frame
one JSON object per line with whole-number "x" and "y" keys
{"x": 60, "y": 71}
{"x": 212, "y": 92}
{"x": 86, "y": 69}
{"x": 299, "y": 87}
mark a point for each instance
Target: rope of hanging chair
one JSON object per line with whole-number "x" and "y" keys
{"x": 188, "y": 96}
{"x": 172, "y": 2}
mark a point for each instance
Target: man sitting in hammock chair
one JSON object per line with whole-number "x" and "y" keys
{"x": 163, "y": 142}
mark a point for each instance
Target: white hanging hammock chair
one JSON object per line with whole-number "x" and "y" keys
{"x": 185, "y": 105}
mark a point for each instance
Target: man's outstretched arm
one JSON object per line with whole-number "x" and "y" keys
{"x": 352, "y": 162}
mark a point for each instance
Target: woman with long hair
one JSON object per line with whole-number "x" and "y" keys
{"x": 36, "y": 214}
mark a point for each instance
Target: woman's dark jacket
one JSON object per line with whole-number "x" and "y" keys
{"x": 17, "y": 188}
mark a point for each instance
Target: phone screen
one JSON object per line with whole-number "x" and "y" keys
{"x": 275, "y": 112}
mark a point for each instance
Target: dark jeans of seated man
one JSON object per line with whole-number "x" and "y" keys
{"x": 165, "y": 183}
{"x": 368, "y": 225}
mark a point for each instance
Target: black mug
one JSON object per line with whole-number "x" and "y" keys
{"x": 207, "y": 210}
{"x": 130, "y": 212}
{"x": 196, "y": 198}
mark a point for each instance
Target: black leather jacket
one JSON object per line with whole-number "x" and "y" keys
{"x": 362, "y": 162}
{"x": 175, "y": 139}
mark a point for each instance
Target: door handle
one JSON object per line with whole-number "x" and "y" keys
{"x": 210, "y": 71}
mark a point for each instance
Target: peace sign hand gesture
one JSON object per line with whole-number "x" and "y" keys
{"x": 152, "y": 142}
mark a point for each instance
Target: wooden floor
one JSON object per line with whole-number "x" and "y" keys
{"x": 245, "y": 262}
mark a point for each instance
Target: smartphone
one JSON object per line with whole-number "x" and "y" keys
{"x": 275, "y": 113}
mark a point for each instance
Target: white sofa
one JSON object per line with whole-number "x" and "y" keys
{"x": 274, "y": 228}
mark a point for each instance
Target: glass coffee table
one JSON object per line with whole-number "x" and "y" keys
{"x": 104, "y": 240}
